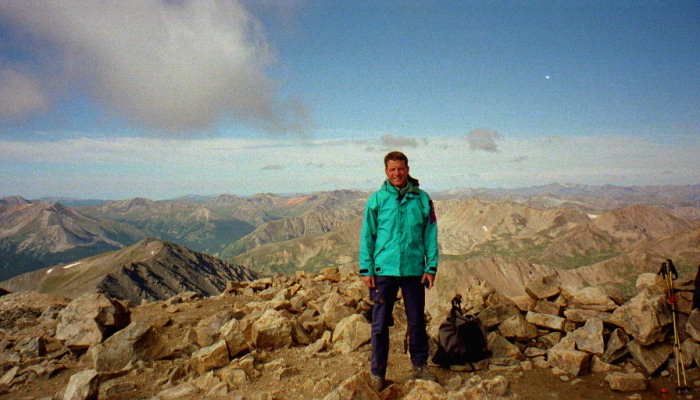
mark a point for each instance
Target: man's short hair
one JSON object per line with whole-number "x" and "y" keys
{"x": 396, "y": 156}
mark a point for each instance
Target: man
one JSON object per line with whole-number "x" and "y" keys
{"x": 398, "y": 249}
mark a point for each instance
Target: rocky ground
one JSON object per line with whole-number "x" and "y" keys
{"x": 304, "y": 337}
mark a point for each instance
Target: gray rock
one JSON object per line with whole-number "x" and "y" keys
{"x": 626, "y": 382}
{"x": 182, "y": 391}
{"x": 590, "y": 337}
{"x": 652, "y": 282}
{"x": 692, "y": 326}
{"x": 645, "y": 317}
{"x": 690, "y": 352}
{"x": 617, "y": 347}
{"x": 580, "y": 316}
{"x": 651, "y": 358}
{"x": 334, "y": 310}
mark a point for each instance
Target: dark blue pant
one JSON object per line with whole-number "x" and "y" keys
{"x": 384, "y": 296}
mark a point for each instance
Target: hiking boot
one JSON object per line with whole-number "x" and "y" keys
{"x": 377, "y": 383}
{"x": 422, "y": 372}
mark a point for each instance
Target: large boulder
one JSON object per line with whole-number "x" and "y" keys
{"x": 207, "y": 330}
{"x": 651, "y": 358}
{"x": 211, "y": 357}
{"x": 352, "y": 332}
{"x": 232, "y": 333}
{"x": 545, "y": 320}
{"x": 272, "y": 330}
{"x": 692, "y": 326}
{"x": 565, "y": 356}
{"x": 516, "y": 327}
{"x": 587, "y": 298}
{"x": 334, "y": 310}
{"x": 626, "y": 382}
{"x": 136, "y": 342}
{"x": 89, "y": 319}
{"x": 497, "y": 313}
{"x": 645, "y": 317}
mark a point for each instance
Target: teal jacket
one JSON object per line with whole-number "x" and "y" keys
{"x": 399, "y": 237}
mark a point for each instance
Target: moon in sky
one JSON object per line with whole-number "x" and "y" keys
{"x": 546, "y": 77}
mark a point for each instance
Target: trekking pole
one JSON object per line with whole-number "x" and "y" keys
{"x": 680, "y": 368}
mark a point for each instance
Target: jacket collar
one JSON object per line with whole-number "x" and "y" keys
{"x": 412, "y": 186}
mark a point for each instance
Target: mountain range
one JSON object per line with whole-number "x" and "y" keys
{"x": 605, "y": 234}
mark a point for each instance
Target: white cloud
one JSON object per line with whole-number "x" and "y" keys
{"x": 397, "y": 141}
{"x": 168, "y": 65}
{"x": 483, "y": 139}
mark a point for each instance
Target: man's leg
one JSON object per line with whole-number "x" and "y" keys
{"x": 383, "y": 295}
{"x": 414, "y": 302}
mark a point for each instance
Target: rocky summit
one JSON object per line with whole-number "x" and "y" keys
{"x": 305, "y": 337}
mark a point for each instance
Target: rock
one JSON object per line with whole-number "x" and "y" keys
{"x": 133, "y": 343}
{"x": 626, "y": 382}
{"x": 652, "y": 282}
{"x": 535, "y": 352}
{"x": 89, "y": 319}
{"x": 692, "y": 326}
{"x": 331, "y": 274}
{"x": 548, "y": 307}
{"x": 690, "y": 352}
{"x": 183, "y": 297}
{"x": 651, "y": 358}
{"x": 549, "y": 340}
{"x": 112, "y": 389}
{"x": 232, "y": 333}
{"x": 644, "y": 317}
{"x": 34, "y": 348}
{"x": 497, "y": 313}
{"x": 207, "y": 330}
{"x": 617, "y": 347}
{"x": 545, "y": 320}
{"x": 516, "y": 327}
{"x": 543, "y": 287}
{"x": 424, "y": 390}
{"x": 502, "y": 348}
{"x": 587, "y": 298}
{"x": 590, "y": 337}
{"x": 580, "y": 316}
{"x": 353, "y": 330}
{"x": 83, "y": 385}
{"x": 334, "y": 310}
{"x": 565, "y": 356}
{"x": 272, "y": 330}
{"x": 597, "y": 365}
{"x": 497, "y": 388}
{"x": 182, "y": 391}
{"x": 9, "y": 375}
{"x": 211, "y": 357}
{"x": 356, "y": 387}
{"x": 318, "y": 346}
{"x": 233, "y": 377}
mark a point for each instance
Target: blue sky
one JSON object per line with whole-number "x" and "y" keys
{"x": 161, "y": 99}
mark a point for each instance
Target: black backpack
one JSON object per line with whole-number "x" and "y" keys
{"x": 461, "y": 339}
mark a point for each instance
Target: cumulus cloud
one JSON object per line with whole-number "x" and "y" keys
{"x": 21, "y": 93}
{"x": 483, "y": 139}
{"x": 167, "y": 65}
{"x": 397, "y": 141}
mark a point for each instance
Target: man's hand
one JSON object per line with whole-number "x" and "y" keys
{"x": 428, "y": 280}
{"x": 368, "y": 280}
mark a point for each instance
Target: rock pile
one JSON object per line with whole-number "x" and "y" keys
{"x": 255, "y": 335}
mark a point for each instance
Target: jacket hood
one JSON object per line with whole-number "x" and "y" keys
{"x": 412, "y": 185}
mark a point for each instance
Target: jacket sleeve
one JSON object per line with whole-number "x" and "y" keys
{"x": 368, "y": 238}
{"x": 430, "y": 240}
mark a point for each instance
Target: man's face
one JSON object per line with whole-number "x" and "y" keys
{"x": 397, "y": 172}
